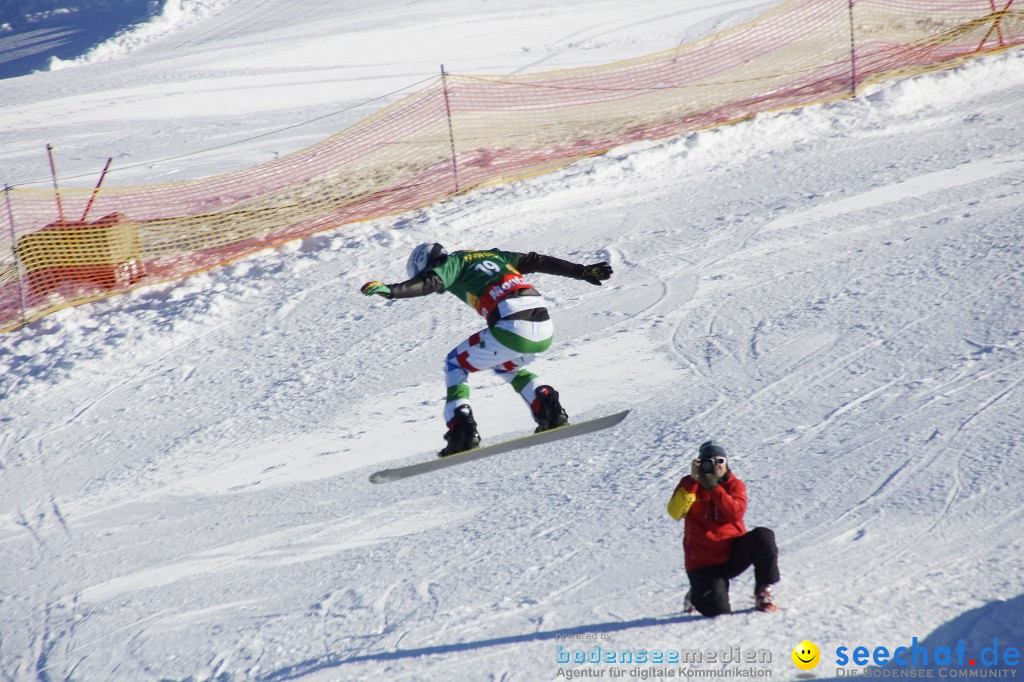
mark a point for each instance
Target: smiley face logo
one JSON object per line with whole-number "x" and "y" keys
{"x": 806, "y": 655}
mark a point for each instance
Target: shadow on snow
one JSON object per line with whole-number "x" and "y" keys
{"x": 978, "y": 629}
{"x": 332, "y": 661}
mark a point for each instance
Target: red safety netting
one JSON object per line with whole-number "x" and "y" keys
{"x": 463, "y": 132}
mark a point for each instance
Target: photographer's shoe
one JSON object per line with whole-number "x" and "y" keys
{"x": 688, "y": 606}
{"x": 763, "y": 600}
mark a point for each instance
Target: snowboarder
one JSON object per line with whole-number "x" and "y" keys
{"x": 518, "y": 325}
{"x": 716, "y": 544}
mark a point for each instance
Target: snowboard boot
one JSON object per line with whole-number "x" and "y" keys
{"x": 763, "y": 600}
{"x": 547, "y": 411}
{"x": 688, "y": 606}
{"x": 462, "y": 434}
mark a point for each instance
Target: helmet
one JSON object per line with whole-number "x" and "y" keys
{"x": 425, "y": 257}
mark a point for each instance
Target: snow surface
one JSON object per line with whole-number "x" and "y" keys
{"x": 173, "y": 16}
{"x": 834, "y": 293}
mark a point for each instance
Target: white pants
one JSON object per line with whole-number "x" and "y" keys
{"x": 483, "y": 351}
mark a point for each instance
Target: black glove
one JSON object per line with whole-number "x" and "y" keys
{"x": 708, "y": 480}
{"x": 596, "y": 273}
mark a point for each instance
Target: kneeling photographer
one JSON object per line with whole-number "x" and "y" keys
{"x": 716, "y": 544}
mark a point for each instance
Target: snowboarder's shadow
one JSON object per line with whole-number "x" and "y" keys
{"x": 569, "y": 635}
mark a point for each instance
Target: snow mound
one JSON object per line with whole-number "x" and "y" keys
{"x": 175, "y": 15}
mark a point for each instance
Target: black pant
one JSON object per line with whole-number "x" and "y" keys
{"x": 709, "y": 586}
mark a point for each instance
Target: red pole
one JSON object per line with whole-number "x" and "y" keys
{"x": 97, "y": 188}
{"x": 56, "y": 189}
{"x": 997, "y": 16}
{"x": 1000, "y": 27}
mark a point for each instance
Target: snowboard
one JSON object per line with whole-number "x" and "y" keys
{"x": 562, "y": 432}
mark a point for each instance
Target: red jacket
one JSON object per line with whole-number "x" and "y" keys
{"x": 713, "y": 520}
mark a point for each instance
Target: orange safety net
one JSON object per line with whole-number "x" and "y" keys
{"x": 461, "y": 132}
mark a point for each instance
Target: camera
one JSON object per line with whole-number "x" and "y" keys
{"x": 707, "y": 466}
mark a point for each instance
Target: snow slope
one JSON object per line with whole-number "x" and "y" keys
{"x": 834, "y": 293}
{"x": 173, "y": 16}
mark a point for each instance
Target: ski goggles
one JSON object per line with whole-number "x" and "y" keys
{"x": 716, "y": 460}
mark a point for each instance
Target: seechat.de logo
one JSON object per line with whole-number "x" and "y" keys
{"x": 922, "y": 654}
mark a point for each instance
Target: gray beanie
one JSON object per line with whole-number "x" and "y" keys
{"x": 711, "y": 449}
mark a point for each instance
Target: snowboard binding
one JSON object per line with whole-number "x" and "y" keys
{"x": 462, "y": 434}
{"x": 547, "y": 411}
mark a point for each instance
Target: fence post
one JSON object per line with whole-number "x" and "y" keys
{"x": 14, "y": 252}
{"x": 853, "y": 53}
{"x": 999, "y": 26}
{"x": 451, "y": 131}
{"x": 56, "y": 188}
{"x": 96, "y": 190}
{"x": 996, "y": 15}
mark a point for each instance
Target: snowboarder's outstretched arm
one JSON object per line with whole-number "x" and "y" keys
{"x": 429, "y": 282}
{"x": 422, "y": 284}
{"x": 549, "y": 265}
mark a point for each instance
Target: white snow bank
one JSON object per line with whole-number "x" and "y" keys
{"x": 175, "y": 15}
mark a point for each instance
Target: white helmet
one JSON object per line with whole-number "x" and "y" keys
{"x": 424, "y": 257}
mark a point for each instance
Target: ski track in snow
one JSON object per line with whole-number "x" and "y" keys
{"x": 832, "y": 292}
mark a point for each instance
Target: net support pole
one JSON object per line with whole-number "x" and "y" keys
{"x": 1009, "y": 3}
{"x": 853, "y": 52}
{"x": 14, "y": 252}
{"x": 996, "y": 24}
{"x": 96, "y": 189}
{"x": 56, "y": 188}
{"x": 451, "y": 130}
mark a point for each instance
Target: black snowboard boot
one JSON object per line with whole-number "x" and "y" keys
{"x": 462, "y": 434}
{"x": 547, "y": 411}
